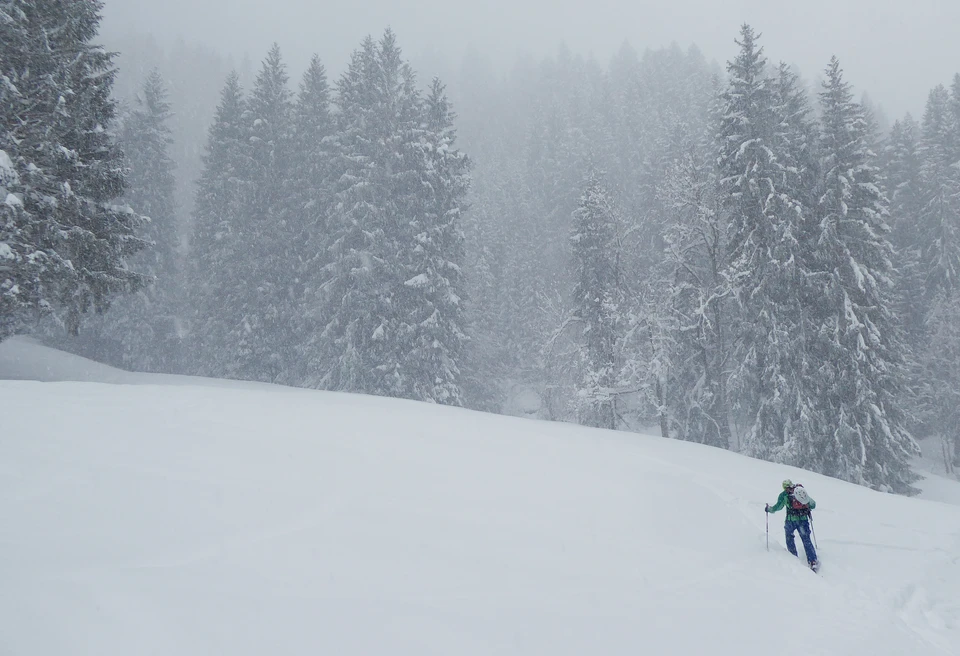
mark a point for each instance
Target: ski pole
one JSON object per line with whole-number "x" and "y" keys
{"x": 766, "y": 511}
{"x": 813, "y": 533}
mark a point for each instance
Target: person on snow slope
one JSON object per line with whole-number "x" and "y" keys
{"x": 798, "y": 504}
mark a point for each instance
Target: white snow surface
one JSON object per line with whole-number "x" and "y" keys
{"x": 23, "y": 358}
{"x": 170, "y": 515}
{"x": 937, "y": 484}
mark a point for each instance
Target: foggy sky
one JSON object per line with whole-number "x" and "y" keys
{"x": 897, "y": 52}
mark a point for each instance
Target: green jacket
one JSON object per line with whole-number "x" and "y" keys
{"x": 783, "y": 501}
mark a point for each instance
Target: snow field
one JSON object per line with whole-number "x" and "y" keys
{"x": 216, "y": 518}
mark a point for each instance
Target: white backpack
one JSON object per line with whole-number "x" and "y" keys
{"x": 800, "y": 496}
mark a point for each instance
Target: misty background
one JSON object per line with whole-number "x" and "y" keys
{"x": 896, "y": 51}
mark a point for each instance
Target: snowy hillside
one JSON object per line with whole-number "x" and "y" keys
{"x": 182, "y": 516}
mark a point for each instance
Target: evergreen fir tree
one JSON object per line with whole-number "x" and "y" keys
{"x": 861, "y": 429}
{"x": 904, "y": 185}
{"x": 308, "y": 214}
{"x": 400, "y": 110}
{"x": 747, "y": 172}
{"x": 954, "y": 137}
{"x": 151, "y": 185}
{"x": 940, "y": 214}
{"x": 763, "y": 144}
{"x": 940, "y": 378}
{"x": 145, "y": 326}
{"x": 940, "y": 247}
{"x": 792, "y": 289}
{"x": 797, "y": 147}
{"x": 433, "y": 336}
{"x": 269, "y": 266}
{"x": 26, "y": 283}
{"x": 598, "y": 302}
{"x": 348, "y": 286}
{"x": 64, "y": 239}
{"x": 377, "y": 178}
{"x": 902, "y": 165}
{"x": 218, "y": 244}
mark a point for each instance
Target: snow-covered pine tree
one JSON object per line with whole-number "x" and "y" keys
{"x": 954, "y": 140}
{"x": 151, "y": 181}
{"x": 432, "y": 328}
{"x": 940, "y": 213}
{"x": 940, "y": 261}
{"x": 20, "y": 281}
{"x": 218, "y": 246}
{"x": 347, "y": 289}
{"x": 797, "y": 141}
{"x": 400, "y": 112}
{"x": 951, "y": 309}
{"x": 792, "y": 289}
{"x": 856, "y": 347}
{"x": 940, "y": 390}
{"x": 379, "y": 118}
{"x": 269, "y": 264}
{"x": 746, "y": 170}
{"x": 598, "y": 302}
{"x": 64, "y": 239}
{"x": 763, "y": 141}
{"x": 27, "y": 282}
{"x": 901, "y": 163}
{"x": 141, "y": 331}
{"x": 309, "y": 207}
{"x": 877, "y": 127}
{"x": 902, "y": 166}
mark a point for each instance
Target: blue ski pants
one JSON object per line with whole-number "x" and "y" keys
{"x": 803, "y": 527}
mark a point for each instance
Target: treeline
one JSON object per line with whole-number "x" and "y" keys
{"x": 328, "y": 250}
{"x": 325, "y": 249}
{"x": 738, "y": 259}
{"x": 746, "y": 272}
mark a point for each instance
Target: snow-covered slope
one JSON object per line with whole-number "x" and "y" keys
{"x": 937, "y": 484}
{"x": 192, "y": 518}
{"x": 23, "y": 358}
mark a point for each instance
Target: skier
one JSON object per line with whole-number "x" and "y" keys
{"x": 798, "y": 504}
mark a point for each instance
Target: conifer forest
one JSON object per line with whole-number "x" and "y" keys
{"x": 740, "y": 254}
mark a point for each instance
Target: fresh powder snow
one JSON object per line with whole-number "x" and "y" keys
{"x": 174, "y": 515}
